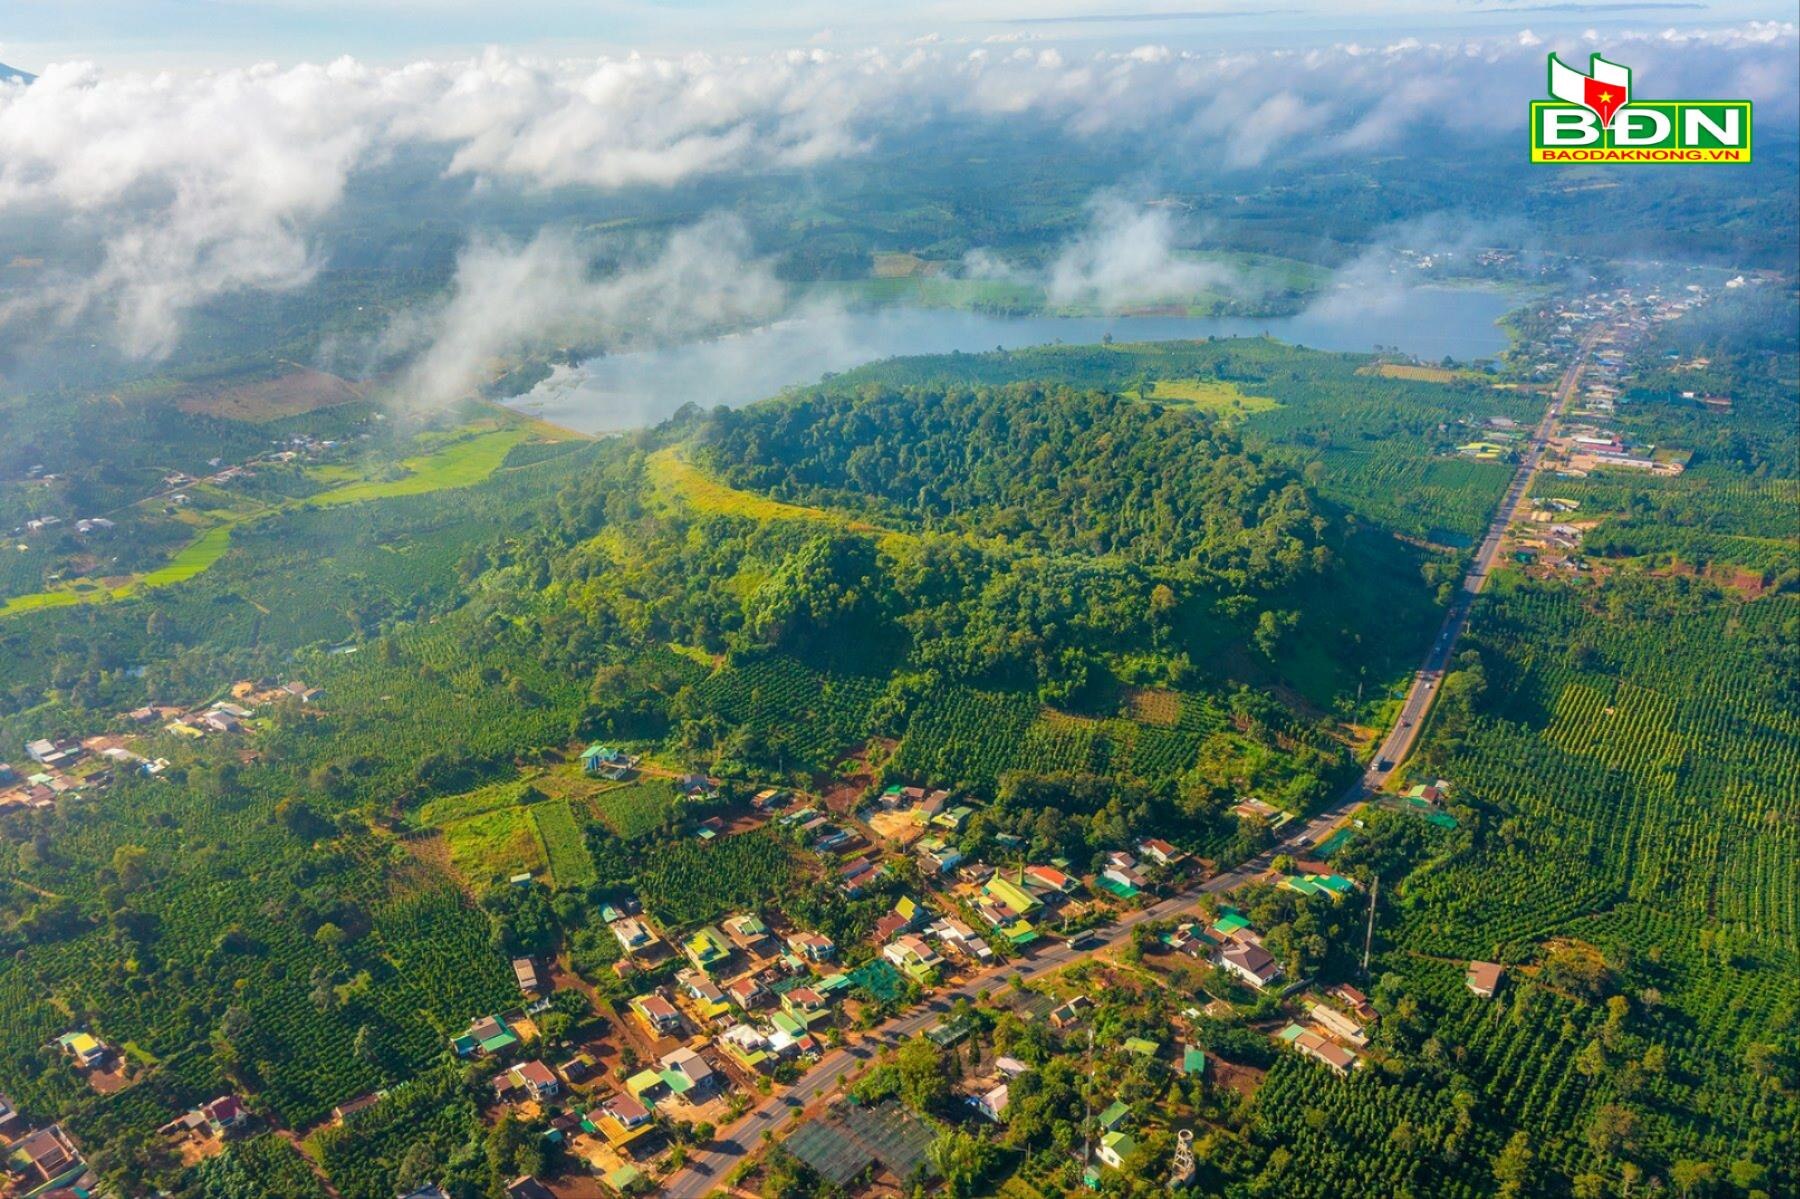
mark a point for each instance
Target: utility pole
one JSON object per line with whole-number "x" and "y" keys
{"x": 1369, "y": 935}
{"x": 1087, "y": 1103}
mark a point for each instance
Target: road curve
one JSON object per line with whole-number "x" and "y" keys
{"x": 707, "y": 1168}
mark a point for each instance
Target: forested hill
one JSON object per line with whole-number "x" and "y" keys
{"x": 1045, "y": 467}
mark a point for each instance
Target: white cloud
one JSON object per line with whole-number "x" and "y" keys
{"x": 192, "y": 187}
{"x": 1127, "y": 255}
{"x": 509, "y": 299}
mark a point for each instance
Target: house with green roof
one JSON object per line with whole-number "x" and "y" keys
{"x": 1230, "y": 921}
{"x": 1319, "y": 884}
{"x": 606, "y": 762}
{"x": 1115, "y": 1147}
{"x": 1014, "y": 897}
{"x": 488, "y": 1035}
{"x": 1141, "y": 1046}
{"x": 1193, "y": 1060}
{"x": 1019, "y": 932}
{"x": 646, "y": 1086}
{"x": 1114, "y": 1115}
{"x": 707, "y": 948}
{"x": 626, "y": 1180}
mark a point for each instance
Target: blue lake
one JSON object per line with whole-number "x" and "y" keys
{"x": 630, "y": 390}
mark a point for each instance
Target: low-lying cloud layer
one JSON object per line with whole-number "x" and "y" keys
{"x": 509, "y": 300}
{"x": 1127, "y": 254}
{"x": 194, "y": 187}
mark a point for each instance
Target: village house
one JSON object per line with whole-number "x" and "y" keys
{"x": 805, "y": 1004}
{"x": 992, "y": 1103}
{"x": 633, "y": 935}
{"x": 1120, "y": 874}
{"x": 974, "y": 873}
{"x": 1191, "y": 941}
{"x": 53, "y": 754}
{"x": 902, "y": 919}
{"x": 1048, "y": 883}
{"x": 748, "y": 993}
{"x": 605, "y": 762}
{"x": 345, "y": 1112}
{"x": 709, "y": 1001}
{"x": 224, "y": 1115}
{"x": 624, "y": 1122}
{"x": 657, "y": 1014}
{"x": 813, "y": 947}
{"x": 856, "y": 876}
{"x": 85, "y": 1049}
{"x": 1070, "y": 1013}
{"x": 1252, "y": 963}
{"x": 48, "y": 1153}
{"x": 750, "y": 934}
{"x": 525, "y": 972}
{"x": 1338, "y": 1024}
{"x": 1483, "y": 978}
{"x": 768, "y": 800}
{"x": 913, "y": 955}
{"x": 527, "y": 1187}
{"x": 697, "y": 787}
{"x": 688, "y": 1074}
{"x": 960, "y": 937}
{"x": 707, "y": 948}
{"x": 938, "y": 856}
{"x": 487, "y": 1036}
{"x": 1160, "y": 851}
{"x": 1340, "y": 1060}
{"x": 531, "y": 1079}
{"x": 1115, "y": 1147}
{"x": 1356, "y": 1001}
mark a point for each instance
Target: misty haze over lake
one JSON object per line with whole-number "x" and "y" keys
{"x": 630, "y": 390}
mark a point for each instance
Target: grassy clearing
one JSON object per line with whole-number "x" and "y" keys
{"x": 1211, "y": 395}
{"x": 570, "y": 863}
{"x": 448, "y": 809}
{"x": 675, "y": 475}
{"x": 636, "y": 809}
{"x": 496, "y": 844}
{"x": 1417, "y": 374}
{"x": 462, "y": 463}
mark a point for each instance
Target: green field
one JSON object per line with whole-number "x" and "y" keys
{"x": 466, "y": 460}
{"x": 1211, "y": 395}
{"x": 637, "y": 809}
{"x": 495, "y": 845}
{"x": 570, "y": 863}
{"x": 461, "y": 462}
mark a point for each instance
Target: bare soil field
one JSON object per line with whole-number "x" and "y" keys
{"x": 258, "y": 401}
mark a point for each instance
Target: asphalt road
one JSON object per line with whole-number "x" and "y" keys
{"x": 707, "y": 1168}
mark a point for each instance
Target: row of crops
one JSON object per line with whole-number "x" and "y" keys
{"x": 800, "y": 715}
{"x": 689, "y": 881}
{"x": 1636, "y": 764}
{"x": 564, "y": 843}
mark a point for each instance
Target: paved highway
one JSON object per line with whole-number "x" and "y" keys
{"x": 707, "y": 1168}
